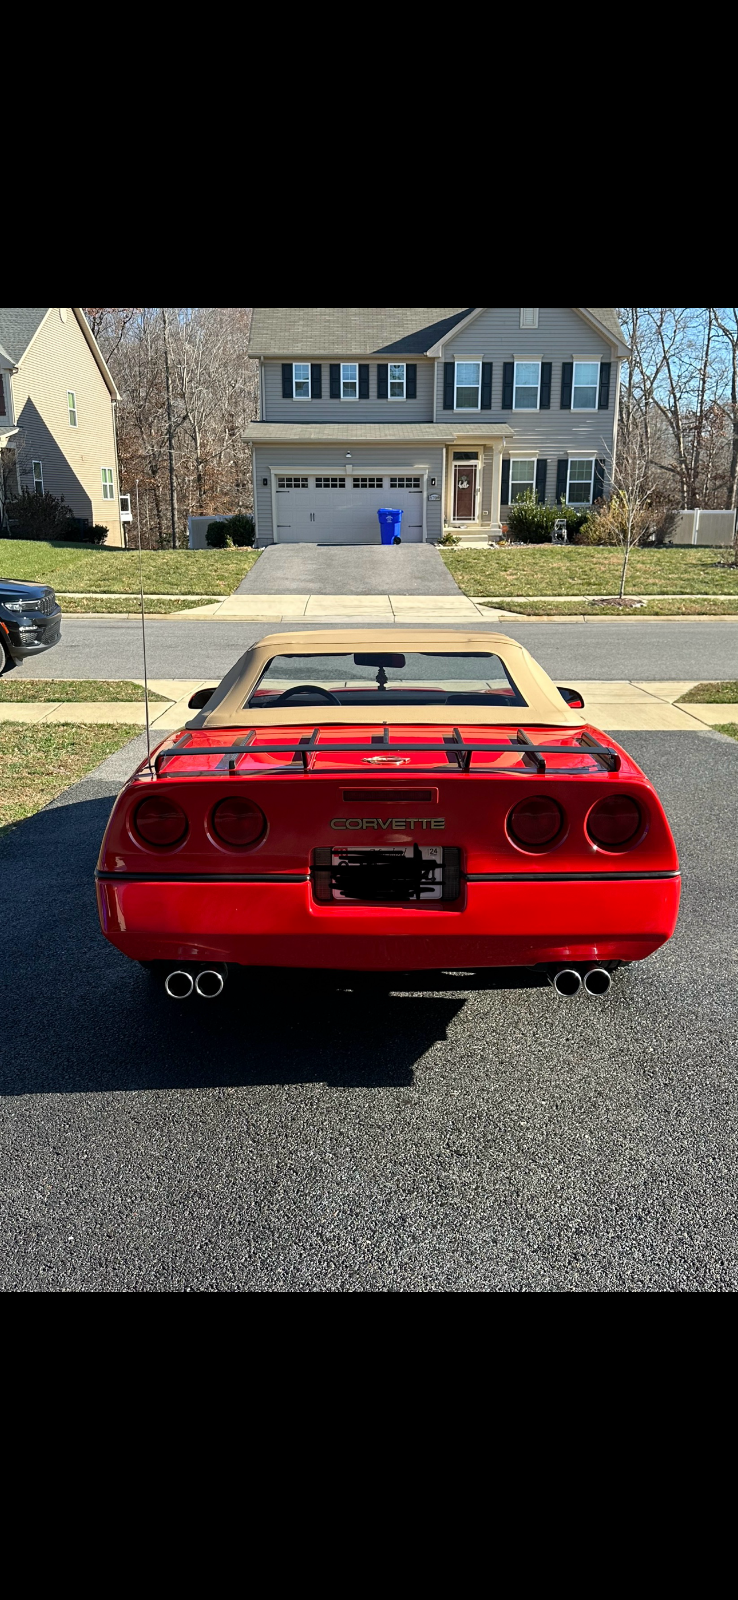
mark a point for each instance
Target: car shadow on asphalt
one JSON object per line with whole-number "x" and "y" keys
{"x": 79, "y": 1017}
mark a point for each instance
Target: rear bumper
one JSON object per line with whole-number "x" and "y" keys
{"x": 278, "y": 924}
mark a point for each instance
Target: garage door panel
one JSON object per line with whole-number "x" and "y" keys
{"x": 328, "y": 509}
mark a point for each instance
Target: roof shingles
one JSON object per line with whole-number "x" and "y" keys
{"x": 367, "y": 330}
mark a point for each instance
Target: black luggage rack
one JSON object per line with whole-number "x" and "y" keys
{"x": 458, "y": 753}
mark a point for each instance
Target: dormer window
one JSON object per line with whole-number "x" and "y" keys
{"x": 529, "y": 317}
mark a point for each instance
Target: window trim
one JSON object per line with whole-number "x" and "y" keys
{"x": 391, "y": 380}
{"x": 515, "y": 461}
{"x": 528, "y": 361}
{"x": 533, "y": 324}
{"x": 591, "y": 460}
{"x": 350, "y": 398}
{"x": 40, "y": 479}
{"x": 295, "y": 380}
{"x": 108, "y": 498}
{"x": 467, "y": 361}
{"x": 585, "y": 362}
{"x": 72, "y": 409}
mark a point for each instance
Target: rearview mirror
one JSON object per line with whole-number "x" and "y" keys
{"x": 200, "y": 698}
{"x": 573, "y": 697}
{"x": 379, "y": 661}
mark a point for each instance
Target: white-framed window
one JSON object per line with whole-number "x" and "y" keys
{"x": 292, "y": 483}
{"x": 522, "y": 478}
{"x": 368, "y": 483}
{"x": 349, "y": 380}
{"x": 529, "y": 317}
{"x": 38, "y": 477}
{"x": 107, "y": 483}
{"x": 527, "y": 385}
{"x": 397, "y": 380}
{"x": 467, "y": 386}
{"x": 585, "y": 386}
{"x": 330, "y": 483}
{"x": 404, "y": 483}
{"x": 579, "y": 485}
{"x": 72, "y": 407}
{"x": 301, "y": 380}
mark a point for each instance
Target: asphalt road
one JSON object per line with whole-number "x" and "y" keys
{"x": 421, "y": 1132}
{"x": 111, "y": 648}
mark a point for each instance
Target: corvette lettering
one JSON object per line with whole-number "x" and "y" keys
{"x": 400, "y": 824}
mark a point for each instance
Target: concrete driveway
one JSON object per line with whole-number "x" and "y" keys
{"x": 356, "y": 569}
{"x": 340, "y": 1132}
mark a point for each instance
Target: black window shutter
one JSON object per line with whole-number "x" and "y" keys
{"x": 2, "y": 396}
{"x": 411, "y": 381}
{"x": 363, "y": 382}
{"x": 567, "y": 378}
{"x": 545, "y": 402}
{"x": 562, "y": 473}
{"x": 382, "y": 390}
{"x": 599, "y": 480}
{"x": 541, "y": 469}
{"x": 287, "y": 380}
{"x": 335, "y": 372}
{"x": 505, "y": 491}
{"x": 316, "y": 381}
{"x": 508, "y": 378}
{"x": 604, "y": 385}
{"x": 486, "y": 386}
{"x": 448, "y": 385}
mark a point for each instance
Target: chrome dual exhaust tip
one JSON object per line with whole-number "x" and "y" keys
{"x": 208, "y": 983}
{"x": 179, "y": 984}
{"x": 567, "y": 981}
{"x": 597, "y": 981}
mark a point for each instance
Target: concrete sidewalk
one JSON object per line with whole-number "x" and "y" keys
{"x": 349, "y": 607}
{"x": 616, "y": 707}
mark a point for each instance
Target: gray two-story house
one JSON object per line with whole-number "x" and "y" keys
{"x": 449, "y": 413}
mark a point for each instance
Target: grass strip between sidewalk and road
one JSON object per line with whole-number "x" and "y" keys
{"x": 579, "y": 569}
{"x": 653, "y": 608}
{"x": 97, "y": 605}
{"x": 74, "y": 566}
{"x": 731, "y": 728}
{"x": 712, "y": 694}
{"x": 38, "y": 763}
{"x": 25, "y": 691}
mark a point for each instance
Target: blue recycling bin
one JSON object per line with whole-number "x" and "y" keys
{"x": 389, "y": 525}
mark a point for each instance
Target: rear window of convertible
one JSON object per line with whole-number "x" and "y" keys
{"x": 384, "y": 678}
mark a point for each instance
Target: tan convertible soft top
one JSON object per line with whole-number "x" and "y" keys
{"x": 226, "y": 709}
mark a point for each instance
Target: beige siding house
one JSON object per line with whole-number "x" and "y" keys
{"x": 57, "y": 413}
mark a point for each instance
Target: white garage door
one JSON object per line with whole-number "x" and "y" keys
{"x": 328, "y": 509}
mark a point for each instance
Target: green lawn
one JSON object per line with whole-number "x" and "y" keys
{"x": 37, "y": 763}
{"x": 731, "y": 728}
{"x": 76, "y": 605}
{"x": 76, "y": 566}
{"x": 25, "y": 691}
{"x": 653, "y": 608}
{"x": 546, "y": 569}
{"x": 712, "y": 694}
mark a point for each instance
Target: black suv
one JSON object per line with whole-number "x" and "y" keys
{"x": 30, "y": 620}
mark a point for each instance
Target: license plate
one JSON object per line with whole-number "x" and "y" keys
{"x": 406, "y": 872}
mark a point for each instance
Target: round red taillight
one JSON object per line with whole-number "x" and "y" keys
{"x": 160, "y": 821}
{"x": 535, "y": 822}
{"x": 238, "y": 821}
{"x": 614, "y": 822}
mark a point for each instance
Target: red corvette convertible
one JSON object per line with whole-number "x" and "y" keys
{"x": 387, "y": 800}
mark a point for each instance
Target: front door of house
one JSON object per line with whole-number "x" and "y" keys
{"x": 465, "y": 491}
